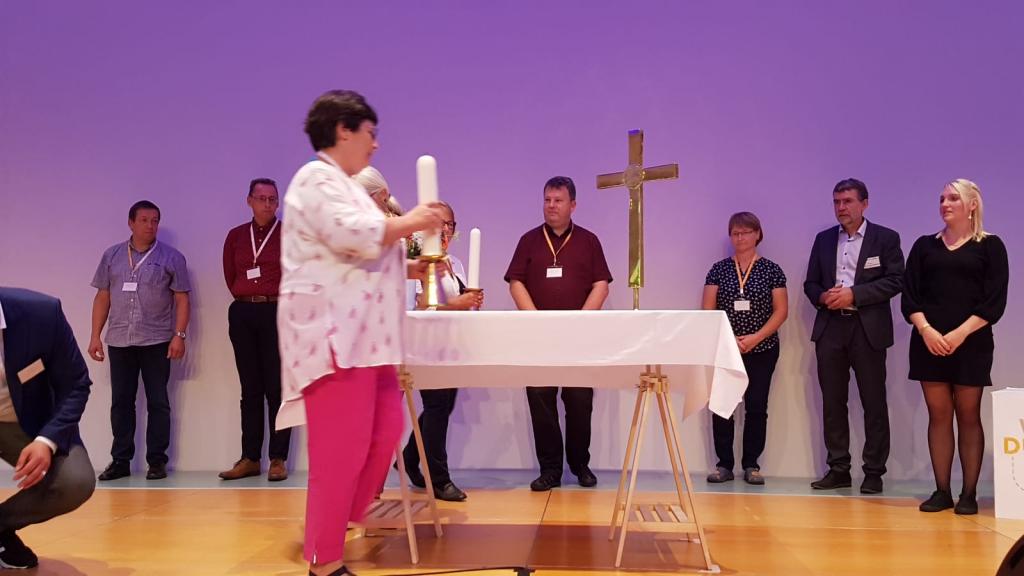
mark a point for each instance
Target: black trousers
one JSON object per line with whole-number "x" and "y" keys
{"x": 760, "y": 367}
{"x": 437, "y": 408}
{"x": 126, "y": 363}
{"x": 547, "y": 433}
{"x": 252, "y": 327}
{"x": 842, "y": 346}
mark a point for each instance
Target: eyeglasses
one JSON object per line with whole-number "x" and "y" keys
{"x": 449, "y": 224}
{"x": 741, "y": 233}
{"x": 265, "y": 199}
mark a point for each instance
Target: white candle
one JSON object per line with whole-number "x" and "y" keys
{"x": 426, "y": 181}
{"x": 474, "y": 258}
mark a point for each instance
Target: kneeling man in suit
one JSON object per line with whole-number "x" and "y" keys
{"x": 44, "y": 385}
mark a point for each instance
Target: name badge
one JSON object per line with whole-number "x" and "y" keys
{"x": 252, "y": 273}
{"x": 872, "y": 262}
{"x": 130, "y": 287}
{"x": 31, "y": 371}
{"x": 741, "y": 305}
{"x": 554, "y": 271}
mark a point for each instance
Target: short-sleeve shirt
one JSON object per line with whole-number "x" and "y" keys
{"x": 581, "y": 259}
{"x": 145, "y": 316}
{"x": 765, "y": 276}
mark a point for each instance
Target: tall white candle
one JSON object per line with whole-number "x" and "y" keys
{"x": 426, "y": 181}
{"x": 474, "y": 258}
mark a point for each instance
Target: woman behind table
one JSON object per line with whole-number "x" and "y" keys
{"x": 954, "y": 291}
{"x": 339, "y": 317}
{"x": 438, "y": 404}
{"x": 751, "y": 290}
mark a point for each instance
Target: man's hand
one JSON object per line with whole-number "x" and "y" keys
{"x": 177, "y": 348}
{"x": 33, "y": 463}
{"x": 96, "y": 349}
{"x": 838, "y": 298}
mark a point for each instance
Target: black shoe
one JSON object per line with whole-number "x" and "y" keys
{"x": 156, "y": 472}
{"x": 966, "y": 505}
{"x": 546, "y": 481}
{"x": 586, "y": 478}
{"x": 14, "y": 554}
{"x": 939, "y": 501}
{"x": 449, "y": 493}
{"x": 114, "y": 470}
{"x": 833, "y": 480}
{"x": 872, "y": 484}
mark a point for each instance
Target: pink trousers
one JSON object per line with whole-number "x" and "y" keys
{"x": 354, "y": 421}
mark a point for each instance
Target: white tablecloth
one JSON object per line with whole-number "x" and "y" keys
{"x": 602, "y": 349}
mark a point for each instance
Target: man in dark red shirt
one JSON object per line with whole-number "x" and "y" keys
{"x": 559, "y": 266}
{"x": 252, "y": 270}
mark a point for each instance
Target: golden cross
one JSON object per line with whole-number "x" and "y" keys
{"x": 633, "y": 178}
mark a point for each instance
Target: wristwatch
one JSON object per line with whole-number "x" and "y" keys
{"x": 180, "y": 335}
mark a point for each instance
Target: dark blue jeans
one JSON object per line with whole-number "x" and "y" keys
{"x": 125, "y": 366}
{"x": 760, "y": 367}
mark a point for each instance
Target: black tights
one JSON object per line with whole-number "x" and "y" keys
{"x": 944, "y": 400}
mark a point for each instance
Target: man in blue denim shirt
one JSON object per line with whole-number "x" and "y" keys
{"x": 142, "y": 296}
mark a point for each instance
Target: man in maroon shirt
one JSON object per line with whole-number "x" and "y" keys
{"x": 252, "y": 270}
{"x": 559, "y": 266}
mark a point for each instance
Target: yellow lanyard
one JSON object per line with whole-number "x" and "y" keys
{"x": 555, "y": 253}
{"x": 743, "y": 277}
{"x": 131, "y": 264}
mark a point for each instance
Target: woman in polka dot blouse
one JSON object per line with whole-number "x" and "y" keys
{"x": 751, "y": 290}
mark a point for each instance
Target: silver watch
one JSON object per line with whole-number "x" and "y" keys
{"x": 180, "y": 335}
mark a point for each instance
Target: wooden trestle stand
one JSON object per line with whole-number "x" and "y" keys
{"x": 392, "y": 514}
{"x": 647, "y": 515}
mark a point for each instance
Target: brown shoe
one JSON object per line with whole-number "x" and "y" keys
{"x": 242, "y": 469}
{"x": 277, "y": 471}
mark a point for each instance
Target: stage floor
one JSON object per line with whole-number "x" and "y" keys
{"x": 194, "y": 524}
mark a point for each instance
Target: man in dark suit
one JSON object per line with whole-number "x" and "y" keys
{"x": 853, "y": 272}
{"x": 44, "y": 385}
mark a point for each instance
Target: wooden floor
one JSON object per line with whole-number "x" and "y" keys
{"x": 259, "y": 531}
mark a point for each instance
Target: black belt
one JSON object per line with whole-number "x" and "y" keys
{"x": 844, "y": 312}
{"x": 256, "y": 299}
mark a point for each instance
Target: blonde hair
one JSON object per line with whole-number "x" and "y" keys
{"x": 969, "y": 191}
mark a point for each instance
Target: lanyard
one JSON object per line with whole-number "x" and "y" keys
{"x": 743, "y": 277}
{"x": 132, "y": 264}
{"x": 555, "y": 253}
{"x": 252, "y": 238}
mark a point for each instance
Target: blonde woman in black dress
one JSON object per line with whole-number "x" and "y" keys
{"x": 954, "y": 291}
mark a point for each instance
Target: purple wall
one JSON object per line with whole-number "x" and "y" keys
{"x": 764, "y": 105}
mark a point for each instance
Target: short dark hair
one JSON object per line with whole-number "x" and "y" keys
{"x": 256, "y": 181}
{"x": 852, "y": 184}
{"x": 142, "y": 205}
{"x": 562, "y": 182}
{"x": 343, "y": 107}
{"x": 746, "y": 220}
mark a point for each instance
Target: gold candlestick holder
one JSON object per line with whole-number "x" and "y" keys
{"x": 431, "y": 286}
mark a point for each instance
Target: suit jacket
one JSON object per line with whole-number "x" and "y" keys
{"x": 872, "y": 287}
{"x": 51, "y": 403}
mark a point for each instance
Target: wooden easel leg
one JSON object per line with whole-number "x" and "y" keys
{"x": 678, "y": 447}
{"x": 425, "y": 469}
{"x": 630, "y": 444}
{"x": 666, "y": 426}
{"x": 627, "y": 510}
{"x": 410, "y": 528}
